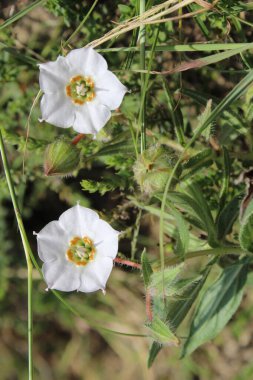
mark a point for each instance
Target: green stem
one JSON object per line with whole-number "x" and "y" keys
{"x": 142, "y": 67}
{"x": 178, "y": 48}
{"x": 30, "y": 318}
{"x": 135, "y": 234}
{"x": 173, "y": 114}
{"x": 206, "y": 252}
{"x": 144, "y": 89}
{"x": 80, "y": 25}
{"x": 27, "y": 250}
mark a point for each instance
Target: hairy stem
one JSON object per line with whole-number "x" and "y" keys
{"x": 129, "y": 263}
{"x": 149, "y": 306}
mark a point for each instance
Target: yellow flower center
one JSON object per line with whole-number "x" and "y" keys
{"x": 81, "y": 251}
{"x": 80, "y": 89}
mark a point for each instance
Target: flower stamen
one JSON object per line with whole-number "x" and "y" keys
{"x": 81, "y": 251}
{"x": 80, "y": 89}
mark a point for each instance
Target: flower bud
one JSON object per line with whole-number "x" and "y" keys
{"x": 61, "y": 158}
{"x": 152, "y": 169}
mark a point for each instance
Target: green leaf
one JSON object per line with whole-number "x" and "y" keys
{"x": 204, "y": 29}
{"x": 246, "y": 230}
{"x": 180, "y": 48}
{"x": 201, "y": 206}
{"x": 125, "y": 147}
{"x": 19, "y": 56}
{"x": 227, "y": 217}
{"x": 202, "y": 119}
{"x": 153, "y": 352}
{"x": 211, "y": 59}
{"x": 196, "y": 163}
{"x": 226, "y": 177}
{"x": 105, "y": 185}
{"x": 178, "y": 308}
{"x": 217, "y": 306}
{"x": 124, "y": 9}
{"x": 182, "y": 232}
{"x": 233, "y": 95}
{"x": 146, "y": 269}
{"x": 196, "y": 205}
{"x": 161, "y": 332}
{"x": 166, "y": 277}
{"x": 95, "y": 186}
{"x": 202, "y": 98}
{"x": 175, "y": 113}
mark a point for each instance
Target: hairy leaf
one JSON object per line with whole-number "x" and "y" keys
{"x": 166, "y": 277}
{"x": 217, "y": 306}
{"x": 178, "y": 308}
{"x": 146, "y": 269}
{"x": 182, "y": 232}
{"x": 161, "y": 332}
{"x": 246, "y": 230}
{"x": 195, "y": 204}
{"x": 227, "y": 217}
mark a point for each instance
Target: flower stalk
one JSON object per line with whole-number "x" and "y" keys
{"x": 27, "y": 251}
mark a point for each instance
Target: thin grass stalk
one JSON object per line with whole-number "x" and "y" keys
{"x": 27, "y": 250}
{"x": 142, "y": 40}
{"x": 80, "y": 25}
{"x": 137, "y": 21}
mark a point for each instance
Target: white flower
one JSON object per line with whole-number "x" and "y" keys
{"x": 77, "y": 251}
{"x": 79, "y": 91}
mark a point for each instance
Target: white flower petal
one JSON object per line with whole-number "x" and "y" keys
{"x": 108, "y": 247}
{"x": 109, "y": 90}
{"x": 54, "y": 75}
{"x": 86, "y": 61}
{"x": 52, "y": 242}
{"x": 83, "y": 122}
{"x": 95, "y": 275}
{"x": 58, "y": 110}
{"x": 61, "y": 276}
{"x": 91, "y": 117}
{"x": 78, "y": 221}
{"x": 106, "y": 239}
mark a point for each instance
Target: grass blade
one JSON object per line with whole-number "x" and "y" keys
{"x": 21, "y": 13}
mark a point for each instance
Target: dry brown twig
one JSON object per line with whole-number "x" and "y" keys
{"x": 153, "y": 16}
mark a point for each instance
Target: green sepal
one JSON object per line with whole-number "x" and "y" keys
{"x": 161, "y": 332}
{"x": 61, "y": 158}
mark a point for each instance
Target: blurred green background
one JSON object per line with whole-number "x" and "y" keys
{"x": 65, "y": 346}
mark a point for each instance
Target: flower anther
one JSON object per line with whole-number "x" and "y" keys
{"x": 81, "y": 251}
{"x": 80, "y": 89}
